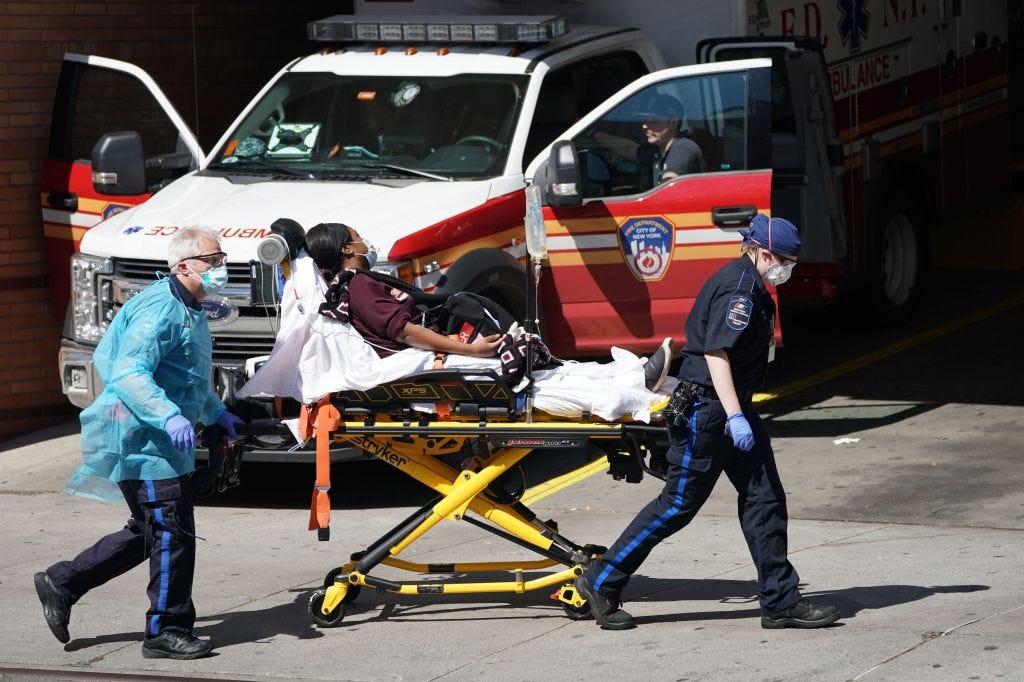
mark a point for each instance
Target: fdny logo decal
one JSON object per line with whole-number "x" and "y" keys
{"x": 854, "y": 23}
{"x": 737, "y": 315}
{"x": 647, "y": 245}
{"x": 114, "y": 209}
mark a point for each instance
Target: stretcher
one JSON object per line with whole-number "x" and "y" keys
{"x": 475, "y": 418}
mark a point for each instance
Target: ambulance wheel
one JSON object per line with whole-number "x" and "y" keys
{"x": 578, "y": 612}
{"x": 353, "y": 590}
{"x": 896, "y": 259}
{"x": 320, "y": 619}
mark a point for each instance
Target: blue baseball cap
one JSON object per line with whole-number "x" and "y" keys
{"x": 778, "y": 235}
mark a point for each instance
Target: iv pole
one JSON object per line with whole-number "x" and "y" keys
{"x": 537, "y": 247}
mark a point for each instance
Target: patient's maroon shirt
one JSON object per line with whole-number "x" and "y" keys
{"x": 379, "y": 312}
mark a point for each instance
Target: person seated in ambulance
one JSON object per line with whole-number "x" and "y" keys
{"x": 665, "y": 149}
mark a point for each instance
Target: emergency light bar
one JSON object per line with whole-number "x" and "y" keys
{"x": 438, "y": 29}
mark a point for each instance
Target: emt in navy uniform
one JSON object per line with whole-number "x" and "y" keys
{"x": 138, "y": 443}
{"x": 725, "y": 358}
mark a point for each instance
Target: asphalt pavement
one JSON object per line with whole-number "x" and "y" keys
{"x": 899, "y": 450}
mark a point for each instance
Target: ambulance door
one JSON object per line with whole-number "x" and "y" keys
{"x": 96, "y": 96}
{"x": 633, "y": 232}
{"x": 807, "y": 158}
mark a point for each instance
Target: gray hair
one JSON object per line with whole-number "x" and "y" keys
{"x": 185, "y": 244}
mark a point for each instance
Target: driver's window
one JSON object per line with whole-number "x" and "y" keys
{"x": 675, "y": 128}
{"x": 108, "y": 101}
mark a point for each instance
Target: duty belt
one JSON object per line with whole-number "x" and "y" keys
{"x": 680, "y": 403}
{"x": 686, "y": 391}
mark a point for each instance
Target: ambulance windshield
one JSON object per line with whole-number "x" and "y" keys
{"x": 325, "y": 126}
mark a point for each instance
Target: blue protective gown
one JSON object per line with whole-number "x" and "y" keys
{"x": 155, "y": 361}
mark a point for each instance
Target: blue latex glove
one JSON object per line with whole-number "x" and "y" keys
{"x": 229, "y": 422}
{"x": 742, "y": 434}
{"x": 183, "y": 436}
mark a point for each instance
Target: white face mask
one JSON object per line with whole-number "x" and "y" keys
{"x": 371, "y": 252}
{"x": 778, "y": 274}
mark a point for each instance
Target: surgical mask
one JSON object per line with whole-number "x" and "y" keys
{"x": 371, "y": 253}
{"x": 213, "y": 280}
{"x": 778, "y": 274}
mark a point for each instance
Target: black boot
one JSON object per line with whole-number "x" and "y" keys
{"x": 605, "y": 609}
{"x": 174, "y": 642}
{"x": 658, "y": 364}
{"x": 56, "y": 608}
{"x": 803, "y": 614}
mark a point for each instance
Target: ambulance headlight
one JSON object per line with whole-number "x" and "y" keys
{"x": 88, "y": 324}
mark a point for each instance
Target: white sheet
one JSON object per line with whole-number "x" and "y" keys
{"x": 315, "y": 355}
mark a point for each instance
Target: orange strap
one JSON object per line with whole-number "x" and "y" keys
{"x": 324, "y": 419}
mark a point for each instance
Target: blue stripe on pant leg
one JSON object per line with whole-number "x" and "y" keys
{"x": 165, "y": 563}
{"x": 677, "y": 503}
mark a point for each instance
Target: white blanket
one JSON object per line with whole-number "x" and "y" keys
{"x": 315, "y": 355}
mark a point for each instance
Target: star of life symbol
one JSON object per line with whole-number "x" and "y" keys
{"x": 854, "y": 23}
{"x": 131, "y": 230}
{"x": 647, "y": 245}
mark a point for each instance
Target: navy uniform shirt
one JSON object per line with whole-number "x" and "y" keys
{"x": 735, "y": 313}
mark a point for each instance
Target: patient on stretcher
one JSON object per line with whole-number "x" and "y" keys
{"x": 343, "y": 329}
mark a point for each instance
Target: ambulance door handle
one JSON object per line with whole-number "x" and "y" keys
{"x": 733, "y": 216}
{"x": 67, "y": 201}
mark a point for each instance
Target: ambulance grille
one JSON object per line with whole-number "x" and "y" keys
{"x": 236, "y": 347}
{"x": 142, "y": 270}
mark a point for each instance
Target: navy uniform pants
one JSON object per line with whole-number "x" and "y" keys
{"x": 162, "y": 530}
{"x": 700, "y": 450}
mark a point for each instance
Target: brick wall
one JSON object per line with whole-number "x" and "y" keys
{"x": 210, "y": 58}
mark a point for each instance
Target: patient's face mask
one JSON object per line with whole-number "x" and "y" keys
{"x": 371, "y": 252}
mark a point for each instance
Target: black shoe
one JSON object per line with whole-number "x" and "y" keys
{"x": 174, "y": 642}
{"x": 607, "y": 612}
{"x": 657, "y": 365}
{"x": 803, "y": 614}
{"x": 56, "y": 608}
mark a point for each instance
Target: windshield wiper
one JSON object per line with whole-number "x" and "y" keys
{"x": 402, "y": 169}
{"x": 242, "y": 163}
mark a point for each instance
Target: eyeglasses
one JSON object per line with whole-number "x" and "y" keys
{"x": 214, "y": 259}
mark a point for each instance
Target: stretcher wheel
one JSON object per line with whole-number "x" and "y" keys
{"x": 578, "y": 612}
{"x": 322, "y": 620}
{"x": 350, "y": 594}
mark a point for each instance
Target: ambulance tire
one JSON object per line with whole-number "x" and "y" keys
{"x": 896, "y": 259}
{"x": 492, "y": 273}
{"x": 324, "y": 620}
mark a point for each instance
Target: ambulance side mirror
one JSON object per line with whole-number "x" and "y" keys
{"x": 118, "y": 164}
{"x": 564, "y": 167}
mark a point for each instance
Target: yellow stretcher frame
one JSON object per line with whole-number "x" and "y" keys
{"x": 412, "y": 445}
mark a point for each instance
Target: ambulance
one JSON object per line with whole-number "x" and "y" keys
{"x": 422, "y": 123}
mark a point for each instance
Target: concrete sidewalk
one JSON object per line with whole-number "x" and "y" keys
{"x": 919, "y": 600}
